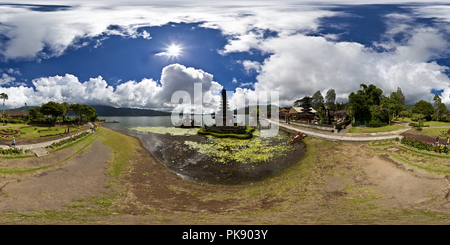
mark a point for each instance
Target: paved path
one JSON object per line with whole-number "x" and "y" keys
{"x": 42, "y": 144}
{"x": 343, "y": 135}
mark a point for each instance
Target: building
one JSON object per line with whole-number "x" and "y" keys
{"x": 340, "y": 116}
{"x": 297, "y": 114}
{"x": 16, "y": 114}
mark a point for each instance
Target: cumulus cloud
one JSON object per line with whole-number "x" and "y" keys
{"x": 147, "y": 93}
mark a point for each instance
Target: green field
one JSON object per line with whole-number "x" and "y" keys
{"x": 35, "y": 132}
{"x": 437, "y": 124}
{"x": 388, "y": 128}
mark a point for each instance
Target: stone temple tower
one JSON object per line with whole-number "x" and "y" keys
{"x": 224, "y": 112}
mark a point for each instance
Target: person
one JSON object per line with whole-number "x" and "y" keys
{"x": 448, "y": 141}
{"x": 437, "y": 140}
{"x": 68, "y": 129}
{"x": 14, "y": 142}
{"x": 65, "y": 131}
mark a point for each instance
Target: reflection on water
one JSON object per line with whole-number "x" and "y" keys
{"x": 212, "y": 160}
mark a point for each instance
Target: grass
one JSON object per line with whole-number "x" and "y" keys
{"x": 388, "y": 128}
{"x": 123, "y": 149}
{"x": 83, "y": 143}
{"x": 437, "y": 124}
{"x": 428, "y": 161}
{"x": 38, "y": 132}
{"x": 432, "y": 132}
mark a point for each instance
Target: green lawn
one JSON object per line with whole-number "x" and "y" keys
{"x": 437, "y": 124}
{"x": 35, "y": 132}
{"x": 434, "y": 132}
{"x": 388, "y": 128}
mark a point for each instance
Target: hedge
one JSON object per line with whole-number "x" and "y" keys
{"x": 248, "y": 135}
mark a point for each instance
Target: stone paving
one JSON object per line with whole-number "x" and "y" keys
{"x": 343, "y": 135}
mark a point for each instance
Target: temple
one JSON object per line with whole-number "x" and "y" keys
{"x": 224, "y": 117}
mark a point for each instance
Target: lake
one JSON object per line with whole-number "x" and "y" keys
{"x": 208, "y": 159}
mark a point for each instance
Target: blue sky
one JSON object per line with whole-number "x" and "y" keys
{"x": 137, "y": 54}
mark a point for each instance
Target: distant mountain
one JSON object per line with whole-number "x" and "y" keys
{"x": 109, "y": 111}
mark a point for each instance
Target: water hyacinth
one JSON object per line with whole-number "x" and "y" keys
{"x": 168, "y": 130}
{"x": 255, "y": 150}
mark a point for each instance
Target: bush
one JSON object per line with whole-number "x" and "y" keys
{"x": 69, "y": 140}
{"x": 423, "y": 145}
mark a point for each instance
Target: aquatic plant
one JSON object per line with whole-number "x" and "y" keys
{"x": 256, "y": 150}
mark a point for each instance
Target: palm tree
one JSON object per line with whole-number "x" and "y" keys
{"x": 4, "y": 97}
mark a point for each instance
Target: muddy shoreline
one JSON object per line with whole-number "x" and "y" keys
{"x": 192, "y": 166}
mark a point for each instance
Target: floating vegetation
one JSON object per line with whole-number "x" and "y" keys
{"x": 168, "y": 130}
{"x": 255, "y": 150}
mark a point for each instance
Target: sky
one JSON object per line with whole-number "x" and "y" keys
{"x": 137, "y": 54}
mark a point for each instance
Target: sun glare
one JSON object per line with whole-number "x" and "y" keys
{"x": 173, "y": 50}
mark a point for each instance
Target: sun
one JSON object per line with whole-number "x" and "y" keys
{"x": 173, "y": 50}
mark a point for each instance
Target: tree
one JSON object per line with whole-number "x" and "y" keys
{"x": 392, "y": 105}
{"x": 362, "y": 101}
{"x": 330, "y": 99}
{"x": 305, "y": 104}
{"x": 317, "y": 100}
{"x": 439, "y": 107}
{"x": 423, "y": 107}
{"x": 322, "y": 114}
{"x": 67, "y": 106}
{"x": 403, "y": 114}
{"x": 401, "y": 97}
{"x": 54, "y": 109}
{"x": 35, "y": 113}
{"x": 82, "y": 109}
{"x": 4, "y": 97}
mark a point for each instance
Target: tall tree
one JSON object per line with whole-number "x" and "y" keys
{"x": 4, "y": 97}
{"x": 330, "y": 99}
{"x": 317, "y": 100}
{"x": 392, "y": 105}
{"x": 436, "y": 103}
{"x": 401, "y": 96}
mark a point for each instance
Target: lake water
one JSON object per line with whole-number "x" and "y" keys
{"x": 208, "y": 159}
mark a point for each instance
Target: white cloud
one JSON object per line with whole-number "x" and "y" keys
{"x": 147, "y": 93}
{"x": 251, "y": 65}
{"x": 303, "y": 64}
{"x": 5, "y": 79}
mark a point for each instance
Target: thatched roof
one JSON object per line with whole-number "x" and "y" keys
{"x": 17, "y": 113}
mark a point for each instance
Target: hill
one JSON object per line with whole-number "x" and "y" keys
{"x": 109, "y": 111}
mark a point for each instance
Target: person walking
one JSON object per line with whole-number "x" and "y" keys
{"x": 448, "y": 141}
{"x": 437, "y": 141}
{"x": 14, "y": 143}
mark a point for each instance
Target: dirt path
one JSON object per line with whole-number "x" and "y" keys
{"x": 402, "y": 185}
{"x": 80, "y": 177}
